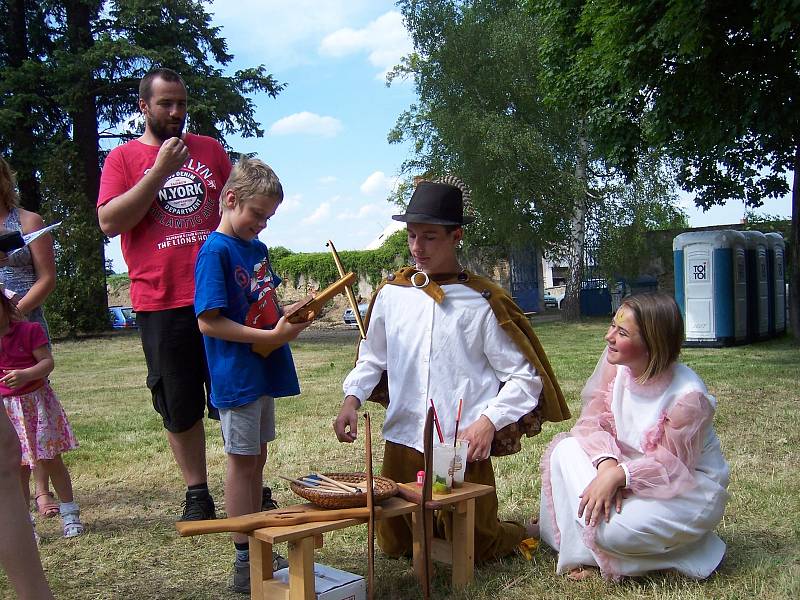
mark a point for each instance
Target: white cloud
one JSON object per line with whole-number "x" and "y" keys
{"x": 385, "y": 40}
{"x": 282, "y": 33}
{"x": 379, "y": 183}
{"x": 328, "y": 180}
{"x": 323, "y": 211}
{"x": 366, "y": 211}
{"x": 291, "y": 203}
{"x": 307, "y": 123}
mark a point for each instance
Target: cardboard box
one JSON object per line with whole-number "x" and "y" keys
{"x": 332, "y": 584}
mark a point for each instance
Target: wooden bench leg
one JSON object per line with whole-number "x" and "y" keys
{"x": 301, "y": 569}
{"x": 463, "y": 543}
{"x": 260, "y": 566}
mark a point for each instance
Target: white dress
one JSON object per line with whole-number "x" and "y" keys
{"x": 662, "y": 435}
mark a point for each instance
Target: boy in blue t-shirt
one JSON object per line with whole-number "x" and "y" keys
{"x": 234, "y": 285}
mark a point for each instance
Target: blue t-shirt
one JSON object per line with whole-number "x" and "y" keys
{"x": 233, "y": 275}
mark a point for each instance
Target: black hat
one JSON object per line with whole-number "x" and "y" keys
{"x": 436, "y": 203}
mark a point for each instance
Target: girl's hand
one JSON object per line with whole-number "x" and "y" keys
{"x": 605, "y": 490}
{"x": 15, "y": 378}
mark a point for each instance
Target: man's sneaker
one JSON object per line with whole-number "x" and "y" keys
{"x": 278, "y": 562}
{"x": 267, "y": 503}
{"x": 240, "y": 578}
{"x": 198, "y": 506}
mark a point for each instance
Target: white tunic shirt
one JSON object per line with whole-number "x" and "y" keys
{"x": 442, "y": 352}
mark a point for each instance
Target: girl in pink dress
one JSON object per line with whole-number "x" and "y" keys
{"x": 34, "y": 410}
{"x": 639, "y": 483}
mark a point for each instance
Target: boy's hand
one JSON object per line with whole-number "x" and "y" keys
{"x": 15, "y": 378}
{"x": 346, "y": 424}
{"x": 287, "y": 331}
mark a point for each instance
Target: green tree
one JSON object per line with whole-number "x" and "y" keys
{"x": 69, "y": 74}
{"x": 486, "y": 113}
{"x": 713, "y": 84}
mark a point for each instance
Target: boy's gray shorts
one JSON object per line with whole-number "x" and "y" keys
{"x": 248, "y": 427}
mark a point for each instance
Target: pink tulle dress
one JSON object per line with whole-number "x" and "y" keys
{"x": 34, "y": 410}
{"x": 662, "y": 435}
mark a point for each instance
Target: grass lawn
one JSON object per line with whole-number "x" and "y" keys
{"x": 130, "y": 491}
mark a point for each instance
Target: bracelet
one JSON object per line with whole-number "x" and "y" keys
{"x": 605, "y": 458}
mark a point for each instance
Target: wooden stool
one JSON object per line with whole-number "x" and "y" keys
{"x": 303, "y": 539}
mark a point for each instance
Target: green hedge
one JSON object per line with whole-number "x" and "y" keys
{"x": 320, "y": 267}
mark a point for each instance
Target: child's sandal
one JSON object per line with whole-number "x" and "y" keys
{"x": 72, "y": 523}
{"x": 46, "y": 504}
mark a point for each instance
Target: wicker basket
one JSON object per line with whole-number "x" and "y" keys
{"x": 383, "y": 488}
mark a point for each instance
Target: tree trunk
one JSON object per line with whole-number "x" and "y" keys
{"x": 794, "y": 251}
{"x": 83, "y": 114}
{"x": 24, "y": 156}
{"x": 571, "y": 302}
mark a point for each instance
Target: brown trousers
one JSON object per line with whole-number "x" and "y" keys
{"x": 493, "y": 538}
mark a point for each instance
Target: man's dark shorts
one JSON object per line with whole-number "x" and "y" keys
{"x": 177, "y": 372}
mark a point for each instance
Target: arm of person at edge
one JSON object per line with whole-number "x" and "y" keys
{"x": 122, "y": 213}
{"x": 16, "y": 378}
{"x": 518, "y": 396}
{"x": 44, "y": 264}
{"x": 368, "y": 370}
{"x": 213, "y": 324}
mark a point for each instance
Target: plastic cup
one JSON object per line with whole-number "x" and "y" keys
{"x": 459, "y": 465}
{"x": 443, "y": 455}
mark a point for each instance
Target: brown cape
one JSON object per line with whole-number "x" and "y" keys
{"x": 551, "y": 407}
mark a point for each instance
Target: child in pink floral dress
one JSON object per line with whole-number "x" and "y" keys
{"x": 34, "y": 410}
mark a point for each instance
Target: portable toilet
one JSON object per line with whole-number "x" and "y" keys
{"x": 776, "y": 262}
{"x": 757, "y": 285}
{"x": 706, "y": 286}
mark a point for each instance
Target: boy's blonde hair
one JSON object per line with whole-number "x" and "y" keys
{"x": 661, "y": 327}
{"x": 249, "y": 178}
{"x": 8, "y": 186}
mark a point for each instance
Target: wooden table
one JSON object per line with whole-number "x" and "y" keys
{"x": 303, "y": 539}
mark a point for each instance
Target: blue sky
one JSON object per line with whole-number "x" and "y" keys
{"x": 325, "y": 134}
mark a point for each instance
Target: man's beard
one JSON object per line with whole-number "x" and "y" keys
{"x": 161, "y": 131}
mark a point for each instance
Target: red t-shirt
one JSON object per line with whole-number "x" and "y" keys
{"x": 161, "y": 250}
{"x": 18, "y": 344}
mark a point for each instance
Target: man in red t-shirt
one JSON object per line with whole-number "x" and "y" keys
{"x": 161, "y": 193}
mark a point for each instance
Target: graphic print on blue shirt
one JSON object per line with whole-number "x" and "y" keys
{"x": 265, "y": 311}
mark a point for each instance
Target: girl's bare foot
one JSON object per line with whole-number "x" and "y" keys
{"x": 532, "y": 528}
{"x": 582, "y": 573}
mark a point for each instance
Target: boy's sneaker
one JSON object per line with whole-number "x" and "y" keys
{"x": 198, "y": 506}
{"x": 278, "y": 562}
{"x": 267, "y": 503}
{"x": 240, "y": 578}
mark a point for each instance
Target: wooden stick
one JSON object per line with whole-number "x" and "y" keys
{"x": 371, "y": 509}
{"x": 323, "y": 486}
{"x": 339, "y": 484}
{"x": 351, "y": 298}
{"x": 248, "y": 523}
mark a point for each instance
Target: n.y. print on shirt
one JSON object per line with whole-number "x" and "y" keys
{"x": 183, "y": 204}
{"x": 265, "y": 310}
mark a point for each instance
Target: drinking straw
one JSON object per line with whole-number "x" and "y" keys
{"x": 458, "y": 418}
{"x": 436, "y": 422}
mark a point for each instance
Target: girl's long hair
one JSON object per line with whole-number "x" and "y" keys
{"x": 8, "y": 186}
{"x": 9, "y": 306}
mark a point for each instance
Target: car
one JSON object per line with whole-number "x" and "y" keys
{"x": 122, "y": 317}
{"x": 349, "y": 316}
{"x": 553, "y": 297}
{"x": 550, "y": 301}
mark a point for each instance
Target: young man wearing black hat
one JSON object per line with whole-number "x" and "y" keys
{"x": 442, "y": 333}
